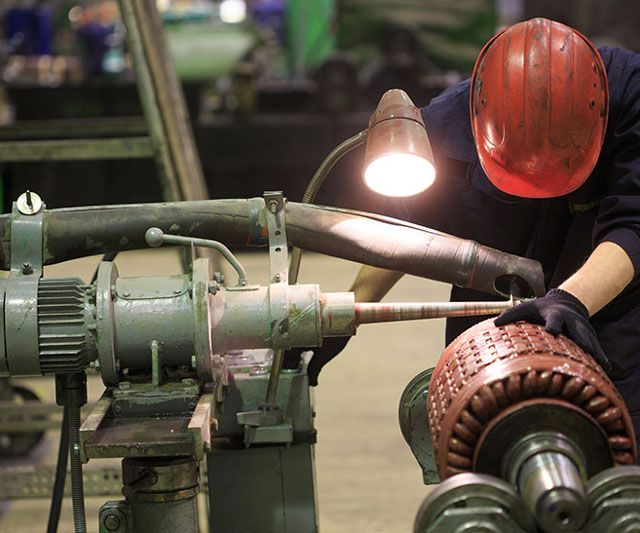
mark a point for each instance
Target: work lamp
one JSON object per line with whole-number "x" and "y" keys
{"x": 398, "y": 160}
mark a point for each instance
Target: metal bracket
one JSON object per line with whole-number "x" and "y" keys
{"x": 278, "y": 265}
{"x": 265, "y": 425}
{"x": 278, "y": 270}
{"x": 21, "y": 294}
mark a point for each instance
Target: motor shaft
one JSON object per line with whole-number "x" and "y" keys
{"x": 552, "y": 488}
{"x": 369, "y": 313}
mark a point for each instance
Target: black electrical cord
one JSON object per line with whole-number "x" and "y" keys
{"x": 60, "y": 475}
{"x": 77, "y": 483}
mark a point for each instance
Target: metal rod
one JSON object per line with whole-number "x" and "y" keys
{"x": 76, "y": 150}
{"x": 551, "y": 486}
{"x": 156, "y": 237}
{"x": 146, "y": 89}
{"x": 274, "y": 378}
{"x": 370, "y": 313}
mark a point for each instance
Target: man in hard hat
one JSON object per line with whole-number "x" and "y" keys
{"x": 539, "y": 155}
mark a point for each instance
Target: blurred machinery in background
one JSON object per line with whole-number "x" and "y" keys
{"x": 286, "y": 84}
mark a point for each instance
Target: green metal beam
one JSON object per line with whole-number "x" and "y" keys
{"x": 75, "y": 150}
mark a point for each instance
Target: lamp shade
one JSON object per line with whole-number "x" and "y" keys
{"x": 398, "y": 159}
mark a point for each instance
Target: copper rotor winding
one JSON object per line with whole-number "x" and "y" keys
{"x": 490, "y": 369}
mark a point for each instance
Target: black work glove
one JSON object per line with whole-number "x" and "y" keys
{"x": 560, "y": 313}
{"x": 331, "y": 346}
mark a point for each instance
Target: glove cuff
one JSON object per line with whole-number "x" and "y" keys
{"x": 571, "y": 300}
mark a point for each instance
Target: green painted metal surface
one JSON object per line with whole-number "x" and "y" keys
{"x": 211, "y": 50}
{"x": 450, "y": 34}
{"x": 310, "y": 34}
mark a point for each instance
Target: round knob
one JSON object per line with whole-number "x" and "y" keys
{"x": 154, "y": 237}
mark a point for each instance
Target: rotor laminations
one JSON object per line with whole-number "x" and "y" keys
{"x": 490, "y": 370}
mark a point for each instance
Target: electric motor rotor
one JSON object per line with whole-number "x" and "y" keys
{"x": 490, "y": 375}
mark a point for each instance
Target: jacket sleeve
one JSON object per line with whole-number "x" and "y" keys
{"x": 618, "y": 218}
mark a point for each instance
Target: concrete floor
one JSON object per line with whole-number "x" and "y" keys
{"x": 367, "y": 478}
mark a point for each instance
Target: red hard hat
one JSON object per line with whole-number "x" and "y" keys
{"x": 539, "y": 106}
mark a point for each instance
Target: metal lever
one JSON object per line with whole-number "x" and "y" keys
{"x": 155, "y": 237}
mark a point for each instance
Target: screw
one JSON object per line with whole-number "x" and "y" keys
{"x": 126, "y": 294}
{"x": 277, "y": 277}
{"x": 27, "y": 268}
{"x": 177, "y": 291}
{"x": 29, "y": 203}
{"x": 112, "y": 522}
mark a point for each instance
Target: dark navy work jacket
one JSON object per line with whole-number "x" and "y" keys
{"x": 559, "y": 232}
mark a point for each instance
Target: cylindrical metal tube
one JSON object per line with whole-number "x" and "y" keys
{"x": 551, "y": 486}
{"x": 162, "y": 493}
{"x": 361, "y": 237}
{"x": 370, "y": 313}
{"x": 242, "y": 319}
{"x": 338, "y": 314}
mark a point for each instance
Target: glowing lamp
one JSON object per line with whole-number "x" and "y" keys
{"x": 398, "y": 158}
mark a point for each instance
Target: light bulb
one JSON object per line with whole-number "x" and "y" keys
{"x": 399, "y": 174}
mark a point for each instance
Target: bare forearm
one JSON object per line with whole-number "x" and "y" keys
{"x": 607, "y": 271}
{"x": 372, "y": 284}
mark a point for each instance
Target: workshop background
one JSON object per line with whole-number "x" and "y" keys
{"x": 271, "y": 87}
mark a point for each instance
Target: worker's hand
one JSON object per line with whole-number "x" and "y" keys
{"x": 331, "y": 347}
{"x": 560, "y": 313}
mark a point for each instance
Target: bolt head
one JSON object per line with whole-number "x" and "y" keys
{"x": 27, "y": 268}
{"x": 112, "y": 522}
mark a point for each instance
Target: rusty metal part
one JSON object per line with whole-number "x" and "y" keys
{"x": 371, "y": 313}
{"x": 489, "y": 369}
{"x": 362, "y": 237}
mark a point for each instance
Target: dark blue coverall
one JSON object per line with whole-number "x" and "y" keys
{"x": 560, "y": 232}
